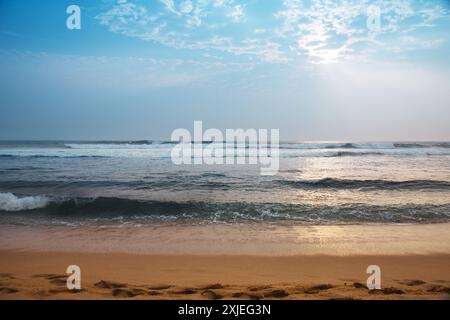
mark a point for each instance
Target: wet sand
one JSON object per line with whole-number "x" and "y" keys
{"x": 226, "y": 262}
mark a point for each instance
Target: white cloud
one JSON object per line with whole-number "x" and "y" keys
{"x": 237, "y": 14}
{"x": 135, "y": 20}
{"x": 170, "y": 6}
{"x": 328, "y": 31}
{"x": 222, "y": 3}
{"x": 186, "y": 7}
{"x": 323, "y": 31}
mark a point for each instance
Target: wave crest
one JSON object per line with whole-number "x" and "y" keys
{"x": 96, "y": 210}
{"x": 10, "y": 202}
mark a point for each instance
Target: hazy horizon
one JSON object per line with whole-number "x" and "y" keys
{"x": 139, "y": 70}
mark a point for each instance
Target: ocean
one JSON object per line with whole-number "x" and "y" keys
{"x": 135, "y": 183}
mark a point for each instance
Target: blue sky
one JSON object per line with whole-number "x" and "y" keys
{"x": 140, "y": 69}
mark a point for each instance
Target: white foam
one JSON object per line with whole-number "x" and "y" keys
{"x": 10, "y": 202}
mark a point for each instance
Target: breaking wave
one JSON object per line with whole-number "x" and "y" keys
{"x": 107, "y": 209}
{"x": 10, "y": 202}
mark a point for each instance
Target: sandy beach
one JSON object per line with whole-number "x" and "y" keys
{"x": 168, "y": 263}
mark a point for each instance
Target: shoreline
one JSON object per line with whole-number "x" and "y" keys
{"x": 226, "y": 261}
{"x": 237, "y": 239}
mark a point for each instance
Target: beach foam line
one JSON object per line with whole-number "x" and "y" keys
{"x": 10, "y": 202}
{"x": 107, "y": 210}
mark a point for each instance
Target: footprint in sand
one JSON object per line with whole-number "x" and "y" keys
{"x": 124, "y": 293}
{"x": 441, "y": 281}
{"x": 184, "y": 291}
{"x": 159, "y": 287}
{"x": 213, "y": 286}
{"x": 57, "y": 279}
{"x": 238, "y": 294}
{"x": 41, "y": 293}
{"x": 440, "y": 289}
{"x": 278, "y": 293}
{"x": 359, "y": 285}
{"x": 411, "y": 283}
{"x": 318, "y": 288}
{"x": 247, "y": 295}
{"x": 391, "y": 290}
{"x": 64, "y": 290}
{"x": 258, "y": 288}
{"x": 109, "y": 284}
{"x": 211, "y": 295}
{"x": 6, "y": 290}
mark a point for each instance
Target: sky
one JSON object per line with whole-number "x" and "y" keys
{"x": 315, "y": 70}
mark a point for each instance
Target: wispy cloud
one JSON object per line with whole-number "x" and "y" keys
{"x": 327, "y": 31}
{"x": 136, "y": 20}
{"x": 322, "y": 31}
{"x": 237, "y": 14}
{"x": 114, "y": 73}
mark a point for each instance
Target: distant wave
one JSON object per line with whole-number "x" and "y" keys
{"x": 153, "y": 149}
{"x": 366, "y": 145}
{"x": 283, "y": 145}
{"x": 218, "y": 181}
{"x": 10, "y": 202}
{"x": 355, "y": 154}
{"x": 338, "y": 145}
{"x": 422, "y": 145}
{"x": 49, "y": 156}
{"x": 368, "y": 184}
{"x": 289, "y": 145}
{"x": 174, "y": 183}
{"x": 161, "y": 155}
{"x": 83, "y": 210}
